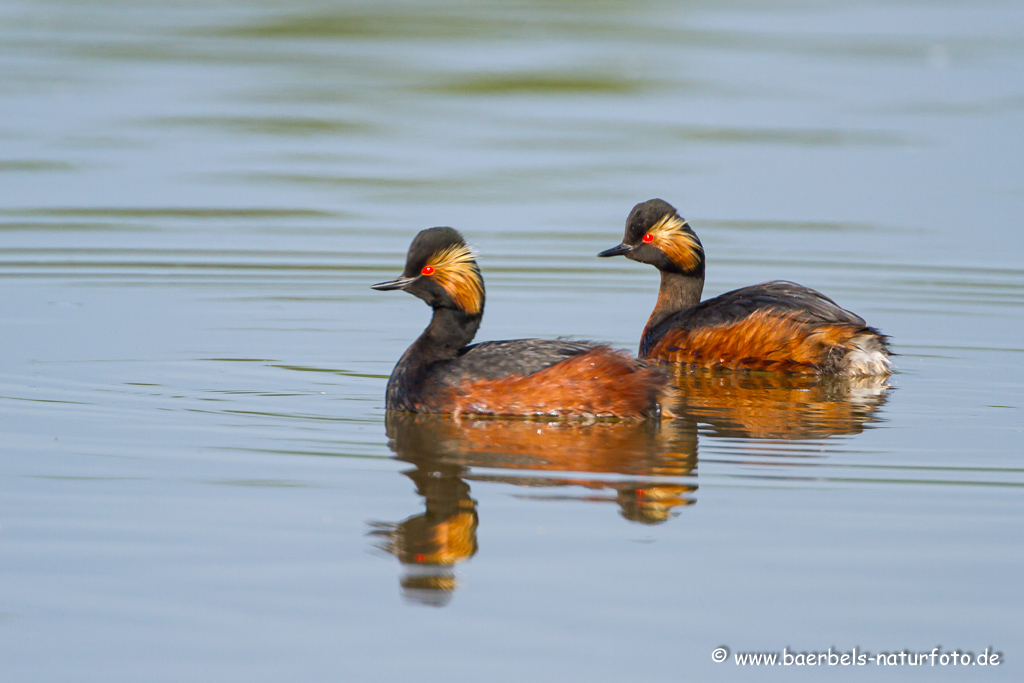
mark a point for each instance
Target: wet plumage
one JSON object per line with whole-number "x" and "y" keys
{"x": 442, "y": 373}
{"x": 775, "y": 326}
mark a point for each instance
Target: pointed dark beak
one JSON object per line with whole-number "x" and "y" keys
{"x": 397, "y": 283}
{"x": 620, "y": 250}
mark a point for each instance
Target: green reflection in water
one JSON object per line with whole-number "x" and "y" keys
{"x": 34, "y": 165}
{"x": 811, "y": 137}
{"x": 344, "y": 373}
{"x": 379, "y": 24}
{"x": 535, "y": 83}
{"x": 168, "y": 212}
{"x": 269, "y": 125}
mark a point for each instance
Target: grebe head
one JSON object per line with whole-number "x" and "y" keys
{"x": 441, "y": 270}
{"x": 656, "y": 234}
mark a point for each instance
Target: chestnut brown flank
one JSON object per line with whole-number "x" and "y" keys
{"x": 764, "y": 340}
{"x": 601, "y": 382}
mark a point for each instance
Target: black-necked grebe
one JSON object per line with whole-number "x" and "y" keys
{"x": 777, "y": 326}
{"x": 442, "y": 373}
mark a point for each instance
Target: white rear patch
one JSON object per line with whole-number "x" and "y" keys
{"x": 867, "y": 358}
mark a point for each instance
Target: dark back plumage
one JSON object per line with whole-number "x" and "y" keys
{"x": 780, "y": 296}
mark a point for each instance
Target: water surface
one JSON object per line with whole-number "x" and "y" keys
{"x": 199, "y": 479}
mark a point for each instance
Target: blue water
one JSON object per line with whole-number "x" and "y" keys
{"x": 197, "y": 480}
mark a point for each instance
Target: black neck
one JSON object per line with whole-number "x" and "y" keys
{"x": 450, "y": 330}
{"x": 678, "y": 292}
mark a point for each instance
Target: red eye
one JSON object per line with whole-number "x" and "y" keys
{"x": 428, "y": 270}
{"x": 648, "y": 237}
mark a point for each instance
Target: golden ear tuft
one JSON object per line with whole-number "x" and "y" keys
{"x": 680, "y": 245}
{"x": 455, "y": 270}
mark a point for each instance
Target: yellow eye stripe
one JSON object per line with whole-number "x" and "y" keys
{"x": 681, "y": 247}
{"x": 456, "y": 272}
